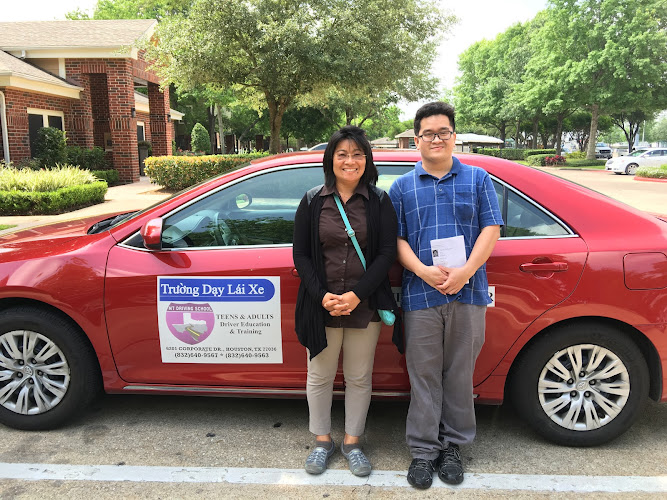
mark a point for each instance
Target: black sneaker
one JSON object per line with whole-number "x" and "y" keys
{"x": 450, "y": 467}
{"x": 420, "y": 473}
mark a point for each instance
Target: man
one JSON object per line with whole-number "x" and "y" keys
{"x": 444, "y": 307}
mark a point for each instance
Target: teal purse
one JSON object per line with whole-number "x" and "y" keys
{"x": 388, "y": 317}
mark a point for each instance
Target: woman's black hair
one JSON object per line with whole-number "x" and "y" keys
{"x": 358, "y": 136}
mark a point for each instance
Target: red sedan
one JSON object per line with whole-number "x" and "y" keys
{"x": 196, "y": 295}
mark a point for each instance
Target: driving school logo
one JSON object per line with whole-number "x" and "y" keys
{"x": 190, "y": 323}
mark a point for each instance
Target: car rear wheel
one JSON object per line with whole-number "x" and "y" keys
{"x": 631, "y": 169}
{"x": 48, "y": 370}
{"x": 580, "y": 385}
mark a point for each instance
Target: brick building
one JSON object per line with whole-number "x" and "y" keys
{"x": 81, "y": 76}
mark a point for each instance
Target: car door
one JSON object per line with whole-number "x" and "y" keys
{"x": 656, "y": 158}
{"x": 535, "y": 265}
{"x": 215, "y": 306}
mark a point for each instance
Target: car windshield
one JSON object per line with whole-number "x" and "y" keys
{"x": 638, "y": 152}
{"x": 137, "y": 214}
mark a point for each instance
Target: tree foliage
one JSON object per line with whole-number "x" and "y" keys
{"x": 283, "y": 49}
{"x": 133, "y": 9}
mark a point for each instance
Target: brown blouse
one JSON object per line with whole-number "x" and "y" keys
{"x": 341, "y": 261}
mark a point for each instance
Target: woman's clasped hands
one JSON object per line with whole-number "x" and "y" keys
{"x": 340, "y": 305}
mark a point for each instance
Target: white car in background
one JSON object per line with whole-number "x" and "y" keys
{"x": 643, "y": 157}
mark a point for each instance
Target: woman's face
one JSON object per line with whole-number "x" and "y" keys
{"x": 349, "y": 163}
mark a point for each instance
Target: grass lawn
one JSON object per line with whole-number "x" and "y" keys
{"x": 6, "y": 226}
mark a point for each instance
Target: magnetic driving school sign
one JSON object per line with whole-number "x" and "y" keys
{"x": 208, "y": 319}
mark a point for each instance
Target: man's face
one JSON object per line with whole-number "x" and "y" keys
{"x": 438, "y": 150}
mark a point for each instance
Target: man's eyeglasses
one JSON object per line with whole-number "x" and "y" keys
{"x": 353, "y": 157}
{"x": 430, "y": 136}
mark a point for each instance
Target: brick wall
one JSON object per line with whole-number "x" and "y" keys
{"x": 161, "y": 127}
{"x": 105, "y": 106}
{"x": 17, "y": 103}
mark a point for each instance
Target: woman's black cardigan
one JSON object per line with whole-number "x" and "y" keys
{"x": 310, "y": 316}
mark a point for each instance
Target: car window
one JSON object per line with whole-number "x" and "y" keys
{"x": 256, "y": 211}
{"x": 523, "y": 218}
{"x": 637, "y": 152}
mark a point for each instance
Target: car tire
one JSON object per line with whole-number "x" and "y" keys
{"x": 585, "y": 409}
{"x": 631, "y": 169}
{"x": 49, "y": 371}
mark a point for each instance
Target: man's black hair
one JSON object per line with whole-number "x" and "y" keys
{"x": 431, "y": 109}
{"x": 358, "y": 136}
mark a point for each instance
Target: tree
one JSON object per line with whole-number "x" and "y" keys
{"x": 133, "y": 9}
{"x": 282, "y": 49}
{"x": 491, "y": 70}
{"x": 614, "y": 53}
{"x": 306, "y": 123}
{"x": 200, "y": 140}
{"x": 629, "y": 123}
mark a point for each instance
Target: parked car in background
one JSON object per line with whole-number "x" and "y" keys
{"x": 644, "y": 157}
{"x": 319, "y": 147}
{"x": 602, "y": 151}
{"x": 196, "y": 295}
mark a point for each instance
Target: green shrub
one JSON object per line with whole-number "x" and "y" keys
{"x": 12, "y": 179}
{"x": 50, "y": 147}
{"x": 584, "y": 162}
{"x": 576, "y": 155}
{"x": 200, "y": 140}
{"x": 180, "y": 172}
{"x": 54, "y": 202}
{"x": 652, "y": 172}
{"x": 25, "y": 191}
{"x": 110, "y": 176}
{"x": 507, "y": 153}
{"x": 537, "y": 160}
{"x": 532, "y": 152}
{"x": 89, "y": 159}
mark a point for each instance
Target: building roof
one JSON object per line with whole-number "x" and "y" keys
{"x": 408, "y": 133}
{"x": 477, "y": 139}
{"x": 35, "y": 35}
{"x": 17, "y": 73}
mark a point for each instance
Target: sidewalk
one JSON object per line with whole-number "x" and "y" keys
{"x": 125, "y": 198}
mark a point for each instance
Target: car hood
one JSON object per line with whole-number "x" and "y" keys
{"x": 56, "y": 231}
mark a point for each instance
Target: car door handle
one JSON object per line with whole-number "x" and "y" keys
{"x": 536, "y": 267}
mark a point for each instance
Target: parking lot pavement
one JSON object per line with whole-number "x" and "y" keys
{"x": 647, "y": 196}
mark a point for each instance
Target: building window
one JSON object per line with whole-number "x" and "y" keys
{"x": 141, "y": 131}
{"x": 38, "y": 118}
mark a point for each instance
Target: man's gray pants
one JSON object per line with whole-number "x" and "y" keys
{"x": 441, "y": 346}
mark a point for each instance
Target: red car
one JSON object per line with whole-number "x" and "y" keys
{"x": 196, "y": 295}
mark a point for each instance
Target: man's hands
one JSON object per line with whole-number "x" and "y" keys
{"x": 447, "y": 280}
{"x": 340, "y": 305}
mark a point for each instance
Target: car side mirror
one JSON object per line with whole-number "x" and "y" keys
{"x": 151, "y": 233}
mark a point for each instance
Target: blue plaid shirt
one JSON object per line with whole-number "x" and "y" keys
{"x": 463, "y": 202}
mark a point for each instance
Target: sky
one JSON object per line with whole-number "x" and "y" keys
{"x": 478, "y": 19}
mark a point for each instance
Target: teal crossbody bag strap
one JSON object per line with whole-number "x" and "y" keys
{"x": 350, "y": 231}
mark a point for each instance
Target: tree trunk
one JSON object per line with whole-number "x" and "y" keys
{"x": 221, "y": 129}
{"x": 348, "y": 116}
{"x": 277, "y": 109}
{"x": 559, "y": 133}
{"x": 592, "y": 136}
{"x": 536, "y": 124}
{"x": 503, "y": 132}
{"x": 211, "y": 129}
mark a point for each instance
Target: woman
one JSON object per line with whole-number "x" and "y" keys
{"x": 338, "y": 300}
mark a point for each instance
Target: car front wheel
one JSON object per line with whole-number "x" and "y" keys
{"x": 48, "y": 371}
{"x": 581, "y": 385}
{"x": 631, "y": 169}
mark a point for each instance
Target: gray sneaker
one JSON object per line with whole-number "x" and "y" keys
{"x": 359, "y": 464}
{"x": 316, "y": 463}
